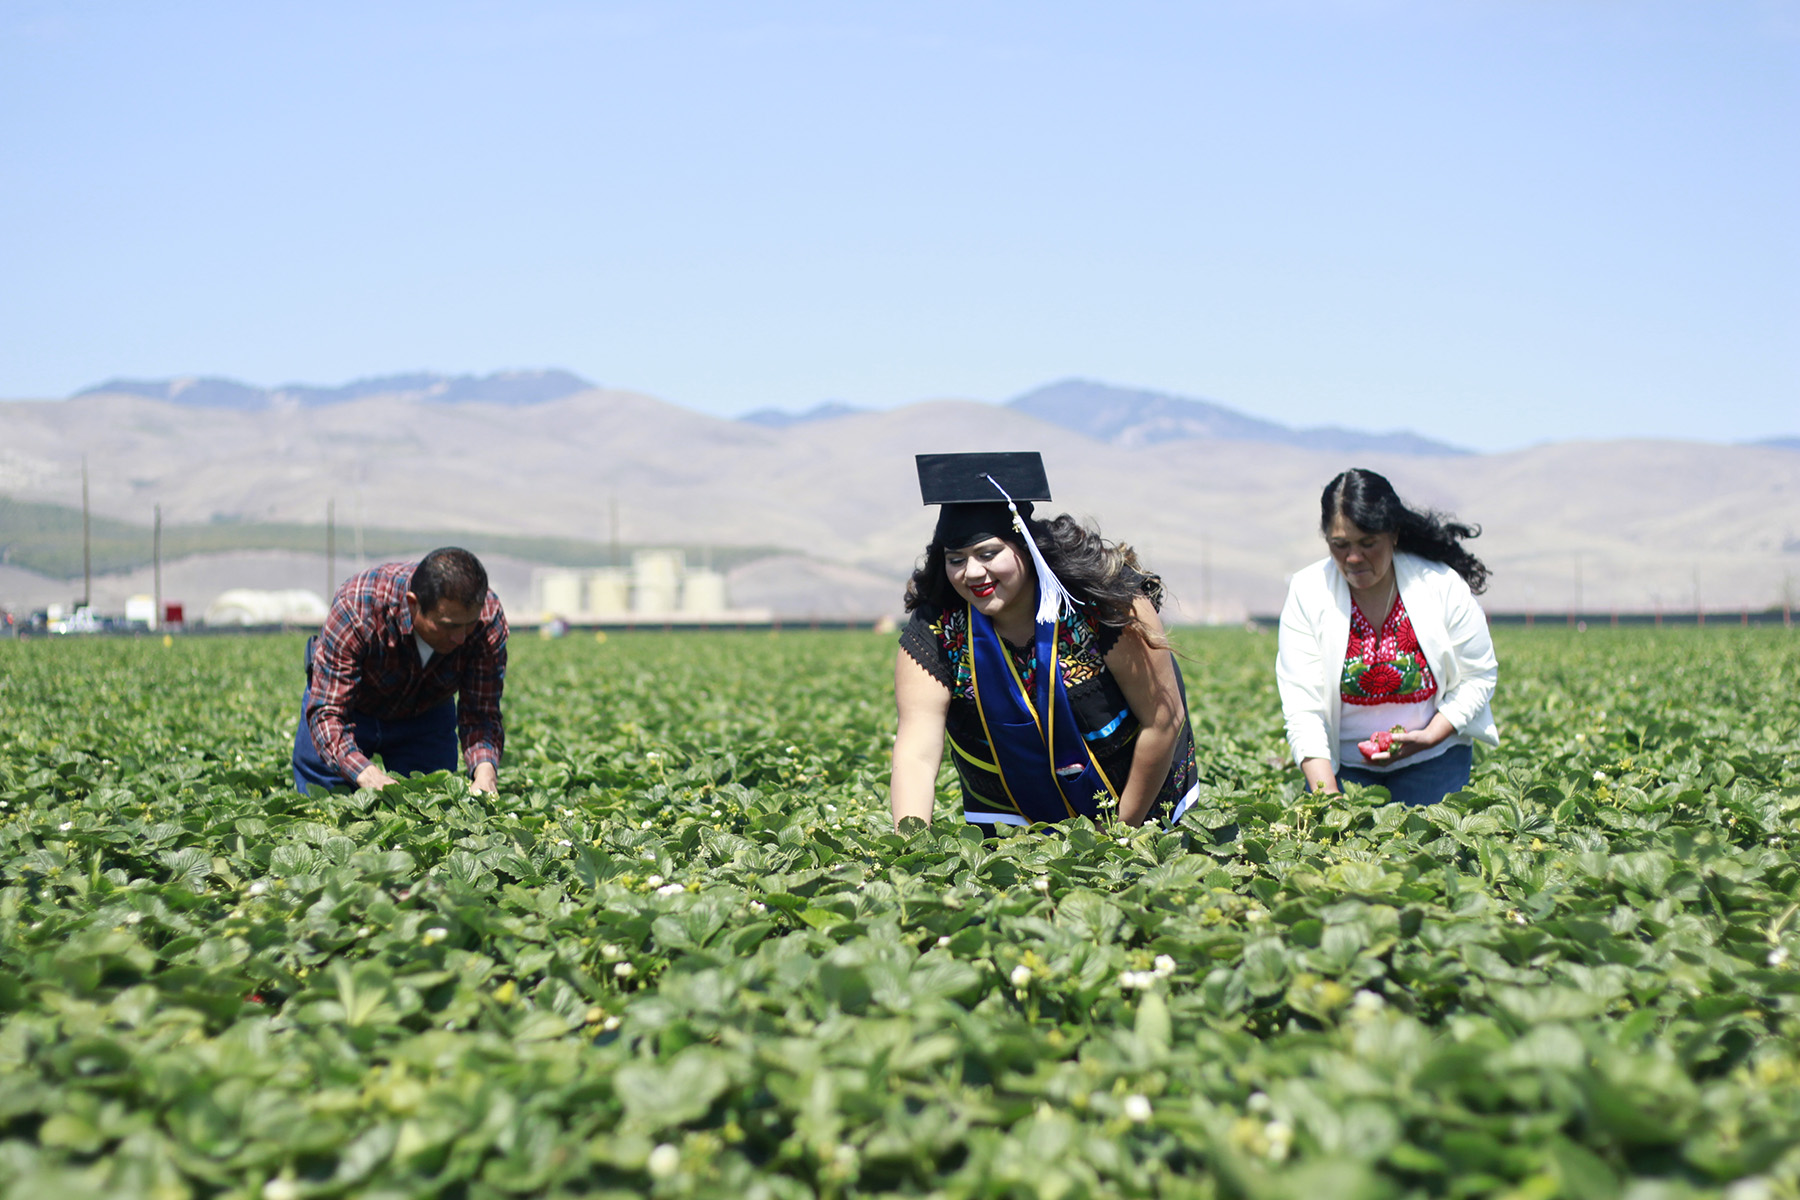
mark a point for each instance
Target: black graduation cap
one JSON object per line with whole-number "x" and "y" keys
{"x": 970, "y": 478}
{"x": 979, "y": 495}
{"x": 974, "y": 508}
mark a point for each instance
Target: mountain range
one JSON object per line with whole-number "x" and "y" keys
{"x": 1633, "y": 524}
{"x": 502, "y": 387}
{"x": 1121, "y": 416}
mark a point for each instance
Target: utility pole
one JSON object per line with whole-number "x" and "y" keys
{"x": 156, "y": 615}
{"x": 330, "y": 550}
{"x": 1576, "y": 615}
{"x": 87, "y": 558}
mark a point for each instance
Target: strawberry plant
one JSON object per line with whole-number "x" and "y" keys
{"x": 685, "y": 953}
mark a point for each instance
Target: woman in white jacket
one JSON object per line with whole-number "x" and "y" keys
{"x": 1385, "y": 666}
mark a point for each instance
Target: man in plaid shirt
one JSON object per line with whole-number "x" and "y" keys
{"x": 411, "y": 660}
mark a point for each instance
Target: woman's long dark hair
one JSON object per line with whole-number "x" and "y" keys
{"x": 1104, "y": 577}
{"x": 1368, "y": 501}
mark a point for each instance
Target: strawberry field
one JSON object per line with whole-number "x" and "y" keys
{"x": 685, "y": 953}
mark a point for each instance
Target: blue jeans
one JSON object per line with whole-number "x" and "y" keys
{"x": 1422, "y": 783}
{"x": 412, "y": 745}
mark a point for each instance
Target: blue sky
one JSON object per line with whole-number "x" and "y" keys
{"x": 1493, "y": 223}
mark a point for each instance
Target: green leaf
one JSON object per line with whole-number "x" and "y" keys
{"x": 659, "y": 1095}
{"x": 1153, "y": 1029}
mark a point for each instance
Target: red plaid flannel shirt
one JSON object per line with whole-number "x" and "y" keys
{"x": 367, "y": 661}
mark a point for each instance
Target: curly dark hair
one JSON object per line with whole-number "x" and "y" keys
{"x": 1104, "y": 577}
{"x": 1369, "y": 502}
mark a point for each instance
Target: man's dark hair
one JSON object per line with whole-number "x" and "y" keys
{"x": 450, "y": 573}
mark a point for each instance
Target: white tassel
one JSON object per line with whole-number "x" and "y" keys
{"x": 1054, "y": 600}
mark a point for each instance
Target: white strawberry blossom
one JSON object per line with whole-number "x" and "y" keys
{"x": 1137, "y": 1108}
{"x": 663, "y": 1162}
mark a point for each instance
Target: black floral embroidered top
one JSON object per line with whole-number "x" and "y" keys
{"x": 938, "y": 640}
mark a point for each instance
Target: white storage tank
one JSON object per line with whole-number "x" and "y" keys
{"x": 703, "y": 593}
{"x": 608, "y": 592}
{"x": 656, "y": 580}
{"x": 559, "y": 593}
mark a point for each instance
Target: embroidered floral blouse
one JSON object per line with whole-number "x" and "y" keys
{"x": 1386, "y": 667}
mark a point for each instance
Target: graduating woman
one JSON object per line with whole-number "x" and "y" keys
{"x": 1382, "y": 634}
{"x": 1036, "y": 649}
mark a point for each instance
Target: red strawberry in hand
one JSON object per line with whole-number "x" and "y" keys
{"x": 1381, "y": 743}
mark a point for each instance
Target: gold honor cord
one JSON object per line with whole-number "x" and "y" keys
{"x": 971, "y": 759}
{"x": 1050, "y": 682}
{"x": 975, "y": 682}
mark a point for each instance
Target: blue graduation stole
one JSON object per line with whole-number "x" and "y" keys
{"x": 1042, "y": 758}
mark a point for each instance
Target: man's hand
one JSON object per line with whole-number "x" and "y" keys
{"x": 486, "y": 778}
{"x": 373, "y": 777}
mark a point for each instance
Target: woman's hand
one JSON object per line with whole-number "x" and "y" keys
{"x": 923, "y": 703}
{"x": 1407, "y": 743}
{"x": 1146, "y": 675}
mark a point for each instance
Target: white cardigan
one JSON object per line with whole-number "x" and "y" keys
{"x": 1315, "y": 631}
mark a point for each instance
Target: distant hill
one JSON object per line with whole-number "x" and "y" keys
{"x": 502, "y": 387}
{"x": 1126, "y": 417}
{"x": 775, "y": 418}
{"x": 1780, "y": 443}
{"x": 46, "y": 539}
{"x": 1224, "y": 520}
